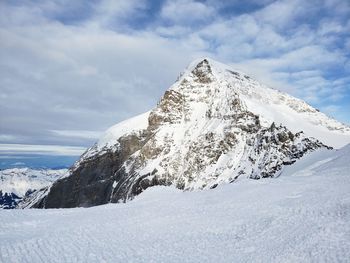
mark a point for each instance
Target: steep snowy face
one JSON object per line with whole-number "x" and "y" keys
{"x": 213, "y": 125}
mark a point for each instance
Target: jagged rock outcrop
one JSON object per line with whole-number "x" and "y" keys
{"x": 204, "y": 131}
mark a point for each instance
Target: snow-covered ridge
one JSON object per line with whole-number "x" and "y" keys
{"x": 135, "y": 124}
{"x": 109, "y": 140}
{"x": 275, "y": 106}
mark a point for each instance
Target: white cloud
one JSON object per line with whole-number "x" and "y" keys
{"x": 18, "y": 163}
{"x": 110, "y": 13}
{"x": 186, "y": 12}
{"x": 78, "y": 133}
{"x": 282, "y": 13}
{"x": 6, "y": 149}
{"x": 7, "y": 137}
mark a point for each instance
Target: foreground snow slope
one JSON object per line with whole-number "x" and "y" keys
{"x": 302, "y": 216}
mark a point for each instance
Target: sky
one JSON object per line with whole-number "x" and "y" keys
{"x": 71, "y": 69}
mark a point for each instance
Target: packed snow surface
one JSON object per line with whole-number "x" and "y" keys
{"x": 301, "y": 216}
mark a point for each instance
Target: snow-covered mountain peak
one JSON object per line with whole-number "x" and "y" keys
{"x": 202, "y": 73}
{"x": 212, "y": 82}
{"x": 211, "y": 96}
{"x": 208, "y": 88}
{"x": 213, "y": 125}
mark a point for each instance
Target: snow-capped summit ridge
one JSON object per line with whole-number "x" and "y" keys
{"x": 269, "y": 104}
{"x": 214, "y": 67}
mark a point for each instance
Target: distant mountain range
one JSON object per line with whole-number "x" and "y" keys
{"x": 18, "y": 183}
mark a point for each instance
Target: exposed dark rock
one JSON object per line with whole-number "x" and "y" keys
{"x": 168, "y": 111}
{"x": 203, "y": 72}
{"x": 9, "y": 200}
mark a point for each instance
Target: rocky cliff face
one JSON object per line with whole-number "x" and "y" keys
{"x": 203, "y": 132}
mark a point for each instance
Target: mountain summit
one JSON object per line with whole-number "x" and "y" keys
{"x": 213, "y": 125}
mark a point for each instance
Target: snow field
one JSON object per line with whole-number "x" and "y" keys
{"x": 292, "y": 218}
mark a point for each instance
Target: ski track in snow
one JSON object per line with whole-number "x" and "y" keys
{"x": 291, "y": 218}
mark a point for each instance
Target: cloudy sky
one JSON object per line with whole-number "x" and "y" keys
{"x": 70, "y": 69}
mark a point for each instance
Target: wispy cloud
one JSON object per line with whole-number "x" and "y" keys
{"x": 78, "y": 133}
{"x": 23, "y": 149}
{"x": 184, "y": 12}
